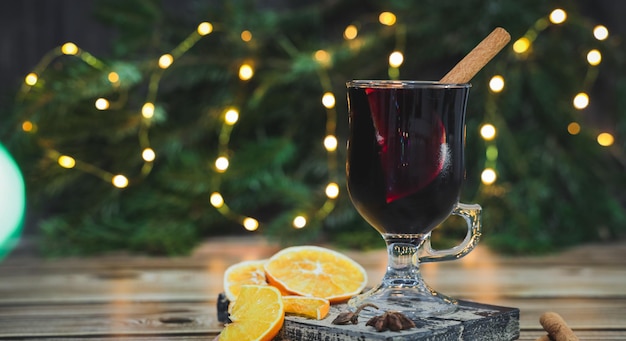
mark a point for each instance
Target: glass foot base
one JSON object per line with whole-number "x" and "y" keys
{"x": 415, "y": 303}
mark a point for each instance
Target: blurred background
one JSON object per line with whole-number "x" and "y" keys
{"x": 149, "y": 126}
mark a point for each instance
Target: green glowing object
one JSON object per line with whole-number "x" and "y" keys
{"x": 12, "y": 202}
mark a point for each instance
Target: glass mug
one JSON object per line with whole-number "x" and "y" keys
{"x": 405, "y": 170}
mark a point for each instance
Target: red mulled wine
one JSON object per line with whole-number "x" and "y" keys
{"x": 405, "y": 153}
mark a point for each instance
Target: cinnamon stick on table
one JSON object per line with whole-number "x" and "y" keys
{"x": 469, "y": 66}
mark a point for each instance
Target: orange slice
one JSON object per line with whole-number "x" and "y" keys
{"x": 246, "y": 272}
{"x": 311, "y": 307}
{"x": 317, "y": 272}
{"x": 257, "y": 315}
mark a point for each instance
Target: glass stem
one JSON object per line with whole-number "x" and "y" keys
{"x": 403, "y": 266}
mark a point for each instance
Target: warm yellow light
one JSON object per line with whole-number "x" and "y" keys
{"x": 299, "y": 222}
{"x": 231, "y": 117}
{"x": 245, "y": 72}
{"x": 488, "y": 176}
{"x": 573, "y": 128}
{"x": 246, "y": 36}
{"x": 330, "y": 143}
{"x": 113, "y": 77}
{"x": 558, "y": 16}
{"x": 496, "y": 84}
{"x": 148, "y": 155}
{"x": 120, "y": 181}
{"x": 581, "y": 101}
{"x": 165, "y": 61}
{"x": 66, "y": 161}
{"x": 600, "y": 32}
{"x": 69, "y": 49}
{"x": 594, "y": 57}
{"x": 605, "y": 139}
{"x": 387, "y": 18}
{"x": 216, "y": 200}
{"x": 221, "y": 164}
{"x": 322, "y": 57}
{"x": 350, "y": 32}
{"x": 27, "y": 126}
{"x": 396, "y": 59}
{"x": 102, "y": 104}
{"x": 250, "y": 224}
{"x": 332, "y": 190}
{"x": 31, "y": 79}
{"x": 521, "y": 45}
{"x": 328, "y": 100}
{"x": 147, "y": 110}
{"x": 488, "y": 131}
{"x": 205, "y": 28}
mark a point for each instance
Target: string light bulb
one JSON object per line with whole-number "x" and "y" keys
{"x": 387, "y": 18}
{"x": 496, "y": 84}
{"x": 350, "y": 32}
{"x": 332, "y": 190}
{"x": 246, "y": 36}
{"x": 594, "y": 57}
{"x": 120, "y": 181}
{"x": 69, "y": 49}
{"x": 488, "y": 132}
{"x": 148, "y": 155}
{"x": 246, "y": 72}
{"x": 216, "y": 200}
{"x": 605, "y": 139}
{"x": 558, "y": 16}
{"x": 322, "y": 57}
{"x": 66, "y": 161}
{"x": 600, "y": 32}
{"x": 396, "y": 59}
{"x": 147, "y": 111}
{"x": 328, "y": 100}
{"x": 28, "y": 126}
{"x": 113, "y": 77}
{"x": 102, "y": 104}
{"x": 250, "y": 224}
{"x": 521, "y": 45}
{"x": 299, "y": 222}
{"x": 205, "y": 28}
{"x": 231, "y": 117}
{"x": 488, "y": 176}
{"x": 581, "y": 101}
{"x": 330, "y": 143}
{"x": 573, "y": 128}
{"x": 221, "y": 164}
{"x": 31, "y": 79}
{"x": 165, "y": 61}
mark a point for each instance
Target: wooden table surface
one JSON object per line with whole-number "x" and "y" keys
{"x": 122, "y": 297}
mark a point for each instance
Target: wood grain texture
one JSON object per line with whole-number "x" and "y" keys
{"x": 125, "y": 297}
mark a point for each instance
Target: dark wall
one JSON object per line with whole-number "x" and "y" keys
{"x": 30, "y": 28}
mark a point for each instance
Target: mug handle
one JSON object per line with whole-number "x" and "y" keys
{"x": 471, "y": 213}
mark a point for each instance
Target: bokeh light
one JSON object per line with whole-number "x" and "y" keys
{"x": 299, "y": 222}
{"x": 605, "y": 139}
{"x": 558, "y": 16}
{"x": 594, "y": 57}
{"x": 396, "y": 59}
{"x": 496, "y": 84}
{"x": 581, "y": 101}
{"x": 120, "y": 181}
{"x": 600, "y": 32}
{"x": 573, "y": 128}
{"x": 488, "y": 176}
{"x": 488, "y": 131}
{"x": 12, "y": 202}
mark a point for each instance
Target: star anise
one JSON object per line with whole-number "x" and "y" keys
{"x": 391, "y": 320}
{"x": 351, "y": 317}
